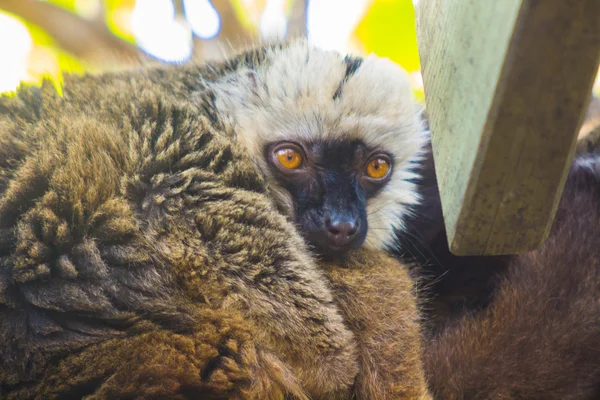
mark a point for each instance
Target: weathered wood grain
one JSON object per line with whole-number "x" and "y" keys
{"x": 506, "y": 86}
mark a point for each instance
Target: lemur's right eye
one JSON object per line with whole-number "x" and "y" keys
{"x": 378, "y": 167}
{"x": 288, "y": 156}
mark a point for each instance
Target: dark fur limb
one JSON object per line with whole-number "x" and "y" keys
{"x": 539, "y": 335}
{"x": 378, "y": 302}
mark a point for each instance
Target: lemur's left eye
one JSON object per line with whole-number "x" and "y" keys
{"x": 289, "y": 157}
{"x": 379, "y": 167}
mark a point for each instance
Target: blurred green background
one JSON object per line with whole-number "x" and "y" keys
{"x": 49, "y": 38}
{"x": 46, "y": 39}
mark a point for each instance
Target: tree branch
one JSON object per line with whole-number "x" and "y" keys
{"x": 89, "y": 41}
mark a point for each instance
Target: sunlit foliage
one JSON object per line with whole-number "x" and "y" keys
{"x": 175, "y": 30}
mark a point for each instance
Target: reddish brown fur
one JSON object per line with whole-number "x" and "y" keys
{"x": 532, "y": 327}
{"x": 377, "y": 300}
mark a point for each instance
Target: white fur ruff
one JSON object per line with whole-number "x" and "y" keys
{"x": 291, "y": 97}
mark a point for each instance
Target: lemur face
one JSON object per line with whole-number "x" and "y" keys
{"x": 337, "y": 139}
{"x": 330, "y": 183}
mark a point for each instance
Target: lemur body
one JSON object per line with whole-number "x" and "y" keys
{"x": 514, "y": 327}
{"x": 142, "y": 254}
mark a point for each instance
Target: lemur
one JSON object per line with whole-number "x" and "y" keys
{"x": 535, "y": 316}
{"x": 197, "y": 231}
{"x": 166, "y": 247}
{"x": 478, "y": 310}
{"x": 513, "y": 327}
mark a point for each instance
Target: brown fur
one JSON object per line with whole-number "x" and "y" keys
{"x": 129, "y": 214}
{"x": 141, "y": 257}
{"x": 527, "y": 326}
{"x": 377, "y": 300}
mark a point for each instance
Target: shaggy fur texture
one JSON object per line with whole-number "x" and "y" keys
{"x": 519, "y": 327}
{"x": 376, "y": 297}
{"x": 141, "y": 257}
{"x": 299, "y": 93}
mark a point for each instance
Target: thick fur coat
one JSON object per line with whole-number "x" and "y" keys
{"x": 515, "y": 327}
{"x": 141, "y": 256}
{"x": 296, "y": 92}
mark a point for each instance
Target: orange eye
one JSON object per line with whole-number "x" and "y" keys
{"x": 378, "y": 168}
{"x": 289, "y": 158}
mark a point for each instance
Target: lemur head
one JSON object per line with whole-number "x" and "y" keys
{"x": 336, "y": 138}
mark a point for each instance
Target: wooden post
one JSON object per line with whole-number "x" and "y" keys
{"x": 506, "y": 86}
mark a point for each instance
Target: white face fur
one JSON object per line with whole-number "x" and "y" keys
{"x": 302, "y": 94}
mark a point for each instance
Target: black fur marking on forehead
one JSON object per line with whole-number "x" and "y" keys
{"x": 338, "y": 154}
{"x": 352, "y": 64}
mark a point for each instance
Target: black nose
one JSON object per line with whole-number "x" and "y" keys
{"x": 341, "y": 231}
